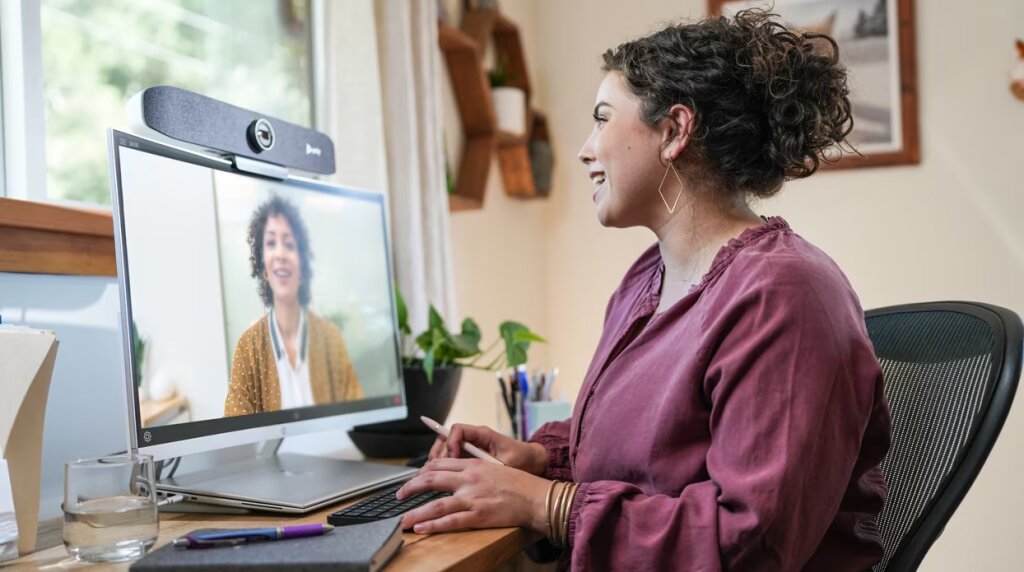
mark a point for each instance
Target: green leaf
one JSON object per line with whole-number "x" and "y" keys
{"x": 517, "y": 339}
{"x": 467, "y": 343}
{"x": 425, "y": 341}
{"x": 436, "y": 321}
{"x": 515, "y": 350}
{"x": 428, "y": 366}
{"x": 528, "y": 336}
{"x": 471, "y": 332}
{"x": 403, "y": 313}
{"x": 441, "y": 345}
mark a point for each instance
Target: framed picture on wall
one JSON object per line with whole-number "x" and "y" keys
{"x": 876, "y": 44}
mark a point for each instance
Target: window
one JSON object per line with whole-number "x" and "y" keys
{"x": 95, "y": 55}
{"x": 3, "y": 179}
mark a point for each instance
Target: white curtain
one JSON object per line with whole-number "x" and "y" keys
{"x": 411, "y": 74}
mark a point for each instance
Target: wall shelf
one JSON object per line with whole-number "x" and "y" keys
{"x": 463, "y": 50}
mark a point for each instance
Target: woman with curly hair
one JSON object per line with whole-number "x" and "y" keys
{"x": 733, "y": 416}
{"x": 290, "y": 357}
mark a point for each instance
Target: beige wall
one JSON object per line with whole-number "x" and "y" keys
{"x": 946, "y": 229}
{"x": 500, "y": 253}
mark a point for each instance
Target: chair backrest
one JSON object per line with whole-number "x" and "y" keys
{"x": 951, "y": 370}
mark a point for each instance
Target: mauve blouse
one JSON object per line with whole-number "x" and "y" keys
{"x": 741, "y": 429}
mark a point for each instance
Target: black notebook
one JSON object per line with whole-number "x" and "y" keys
{"x": 356, "y": 548}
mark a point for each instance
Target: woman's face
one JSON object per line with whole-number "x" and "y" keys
{"x": 622, "y": 158}
{"x": 281, "y": 260}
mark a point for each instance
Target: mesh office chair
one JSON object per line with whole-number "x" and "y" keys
{"x": 951, "y": 370}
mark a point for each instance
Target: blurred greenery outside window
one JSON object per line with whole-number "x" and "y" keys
{"x": 255, "y": 54}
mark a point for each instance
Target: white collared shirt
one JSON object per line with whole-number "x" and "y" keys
{"x": 295, "y": 388}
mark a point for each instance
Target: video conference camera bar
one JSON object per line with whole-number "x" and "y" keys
{"x": 255, "y": 143}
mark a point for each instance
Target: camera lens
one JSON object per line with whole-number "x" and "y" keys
{"x": 261, "y": 135}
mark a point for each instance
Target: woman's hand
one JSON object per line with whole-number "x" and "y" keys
{"x": 484, "y": 495}
{"x": 529, "y": 457}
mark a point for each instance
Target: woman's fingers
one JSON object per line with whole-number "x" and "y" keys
{"x": 431, "y": 511}
{"x": 460, "y": 433}
{"x": 438, "y": 449}
{"x": 455, "y": 465}
{"x": 455, "y": 438}
{"x": 437, "y": 475}
{"x": 450, "y": 522}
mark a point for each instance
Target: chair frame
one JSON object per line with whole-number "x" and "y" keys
{"x": 1007, "y": 355}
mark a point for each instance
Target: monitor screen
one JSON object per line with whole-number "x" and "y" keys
{"x": 249, "y": 303}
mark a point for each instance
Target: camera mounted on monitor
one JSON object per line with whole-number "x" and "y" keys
{"x": 253, "y": 142}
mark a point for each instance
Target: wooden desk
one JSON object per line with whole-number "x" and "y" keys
{"x": 470, "y": 550}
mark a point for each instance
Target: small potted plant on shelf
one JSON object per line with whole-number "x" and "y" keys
{"x": 509, "y": 101}
{"x": 432, "y": 364}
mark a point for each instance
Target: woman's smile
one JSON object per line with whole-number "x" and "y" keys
{"x": 598, "y": 178}
{"x": 283, "y": 275}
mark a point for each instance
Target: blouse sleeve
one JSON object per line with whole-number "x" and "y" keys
{"x": 791, "y": 390}
{"x": 554, "y": 436}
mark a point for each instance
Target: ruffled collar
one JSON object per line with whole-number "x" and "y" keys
{"x": 729, "y": 250}
{"x": 722, "y": 259}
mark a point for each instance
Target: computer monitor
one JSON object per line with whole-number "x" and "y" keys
{"x": 253, "y": 308}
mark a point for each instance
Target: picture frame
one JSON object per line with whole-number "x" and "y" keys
{"x": 876, "y": 41}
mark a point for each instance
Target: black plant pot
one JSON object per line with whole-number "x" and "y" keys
{"x": 409, "y": 437}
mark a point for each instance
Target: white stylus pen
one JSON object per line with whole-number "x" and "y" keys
{"x": 469, "y": 447}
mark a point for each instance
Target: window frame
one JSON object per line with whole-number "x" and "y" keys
{"x": 23, "y": 166}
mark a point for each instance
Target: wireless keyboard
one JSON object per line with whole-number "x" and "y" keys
{"x": 380, "y": 506}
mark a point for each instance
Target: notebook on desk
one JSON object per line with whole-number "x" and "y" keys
{"x": 358, "y": 548}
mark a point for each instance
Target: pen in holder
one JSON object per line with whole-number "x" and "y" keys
{"x": 524, "y": 403}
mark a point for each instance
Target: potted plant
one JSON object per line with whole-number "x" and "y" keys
{"x": 432, "y": 364}
{"x": 509, "y": 101}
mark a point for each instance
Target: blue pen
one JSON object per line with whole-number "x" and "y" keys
{"x": 524, "y": 380}
{"x": 524, "y": 390}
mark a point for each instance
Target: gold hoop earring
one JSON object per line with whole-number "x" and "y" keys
{"x": 671, "y": 209}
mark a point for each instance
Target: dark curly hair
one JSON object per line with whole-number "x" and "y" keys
{"x": 276, "y": 206}
{"x": 767, "y": 101}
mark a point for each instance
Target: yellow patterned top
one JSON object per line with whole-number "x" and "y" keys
{"x": 255, "y": 387}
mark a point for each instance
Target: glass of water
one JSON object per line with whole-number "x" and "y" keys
{"x": 110, "y": 510}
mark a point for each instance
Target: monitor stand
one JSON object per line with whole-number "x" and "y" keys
{"x": 282, "y": 482}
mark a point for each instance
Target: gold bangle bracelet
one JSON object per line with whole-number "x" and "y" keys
{"x": 568, "y": 513}
{"x": 563, "y": 510}
{"x": 556, "y": 536}
{"x": 559, "y": 514}
{"x": 547, "y": 506}
{"x": 552, "y": 511}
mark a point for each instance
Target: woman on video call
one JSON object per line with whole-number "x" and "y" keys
{"x": 291, "y": 357}
{"x": 733, "y": 416}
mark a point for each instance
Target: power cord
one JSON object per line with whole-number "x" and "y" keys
{"x": 170, "y": 500}
{"x": 176, "y": 461}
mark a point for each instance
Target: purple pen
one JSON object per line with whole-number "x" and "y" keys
{"x": 242, "y": 536}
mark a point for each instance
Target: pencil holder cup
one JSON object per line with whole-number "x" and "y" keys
{"x": 541, "y": 412}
